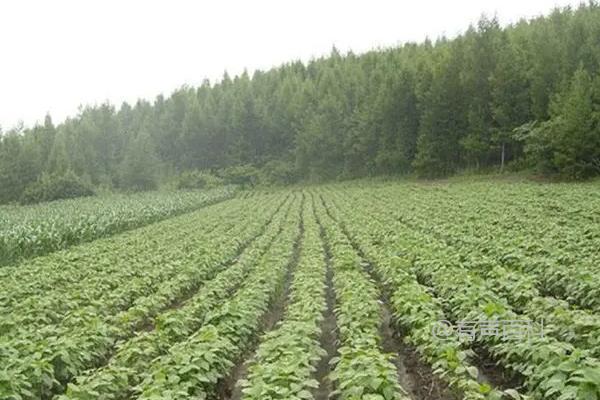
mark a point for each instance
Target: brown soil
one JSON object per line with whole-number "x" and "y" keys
{"x": 493, "y": 373}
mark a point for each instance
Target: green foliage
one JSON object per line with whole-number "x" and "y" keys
{"x": 193, "y": 368}
{"x": 197, "y": 180}
{"x": 56, "y": 187}
{"x": 64, "y": 333}
{"x": 457, "y": 258}
{"x": 569, "y": 143}
{"x": 132, "y": 359}
{"x": 43, "y": 228}
{"x": 18, "y": 168}
{"x": 428, "y": 108}
{"x": 362, "y": 369}
{"x": 139, "y": 168}
{"x": 170, "y": 309}
{"x": 444, "y": 118}
{"x": 278, "y": 172}
{"x": 244, "y": 175}
{"x": 286, "y": 359}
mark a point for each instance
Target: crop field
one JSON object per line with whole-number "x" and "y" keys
{"x": 34, "y": 230}
{"x": 363, "y": 290}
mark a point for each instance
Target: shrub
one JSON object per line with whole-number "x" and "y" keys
{"x": 278, "y": 172}
{"x": 245, "y": 175}
{"x": 55, "y": 187}
{"x": 197, "y": 180}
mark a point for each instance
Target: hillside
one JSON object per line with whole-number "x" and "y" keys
{"x": 520, "y": 96}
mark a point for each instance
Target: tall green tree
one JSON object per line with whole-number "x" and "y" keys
{"x": 428, "y": 108}
{"x": 569, "y": 143}
{"x": 444, "y": 118}
{"x": 140, "y": 166}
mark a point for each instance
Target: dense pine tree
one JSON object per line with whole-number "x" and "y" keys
{"x": 524, "y": 95}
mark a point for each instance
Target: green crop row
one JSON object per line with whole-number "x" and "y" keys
{"x": 117, "y": 379}
{"x": 193, "y": 368}
{"x": 28, "y": 231}
{"x": 578, "y": 327}
{"x": 552, "y": 369}
{"x": 61, "y": 270}
{"x": 414, "y": 309}
{"x": 362, "y": 370}
{"x": 285, "y": 362}
{"x": 560, "y": 253}
{"x": 540, "y": 220}
{"x": 119, "y": 284}
{"x": 40, "y": 362}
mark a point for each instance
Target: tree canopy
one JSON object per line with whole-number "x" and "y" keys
{"x": 525, "y": 94}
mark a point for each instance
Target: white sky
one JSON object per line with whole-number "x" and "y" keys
{"x": 56, "y": 55}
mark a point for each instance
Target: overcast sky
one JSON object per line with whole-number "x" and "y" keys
{"x": 56, "y": 55}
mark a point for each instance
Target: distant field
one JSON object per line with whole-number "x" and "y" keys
{"x": 334, "y": 291}
{"x": 27, "y": 231}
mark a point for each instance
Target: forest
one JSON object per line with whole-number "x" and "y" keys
{"x": 524, "y": 96}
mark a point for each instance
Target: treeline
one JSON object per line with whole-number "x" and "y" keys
{"x": 523, "y": 96}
